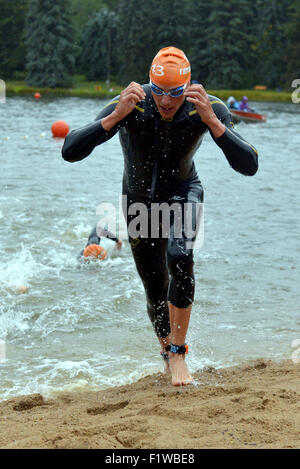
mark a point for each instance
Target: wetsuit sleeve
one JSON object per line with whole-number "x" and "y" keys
{"x": 80, "y": 143}
{"x": 242, "y": 156}
{"x": 107, "y": 234}
{"x": 93, "y": 237}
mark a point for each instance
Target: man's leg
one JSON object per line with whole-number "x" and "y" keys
{"x": 179, "y": 323}
{"x": 181, "y": 295}
{"x": 182, "y": 283}
{"x": 150, "y": 260}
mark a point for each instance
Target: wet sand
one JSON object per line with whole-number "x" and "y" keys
{"x": 255, "y": 405}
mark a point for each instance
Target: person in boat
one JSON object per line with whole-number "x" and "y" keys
{"x": 93, "y": 248}
{"x": 232, "y": 103}
{"x": 244, "y": 105}
{"x": 161, "y": 126}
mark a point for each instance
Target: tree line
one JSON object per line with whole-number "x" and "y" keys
{"x": 232, "y": 44}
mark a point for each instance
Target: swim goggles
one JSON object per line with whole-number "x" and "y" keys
{"x": 175, "y": 93}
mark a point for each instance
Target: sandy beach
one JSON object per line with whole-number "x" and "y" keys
{"x": 255, "y": 405}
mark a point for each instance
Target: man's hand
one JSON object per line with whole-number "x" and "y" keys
{"x": 197, "y": 95}
{"x": 119, "y": 245}
{"x": 129, "y": 97}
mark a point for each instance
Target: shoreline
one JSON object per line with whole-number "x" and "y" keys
{"x": 252, "y": 405}
{"x": 91, "y": 90}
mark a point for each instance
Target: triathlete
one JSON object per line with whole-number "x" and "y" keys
{"x": 93, "y": 249}
{"x": 161, "y": 126}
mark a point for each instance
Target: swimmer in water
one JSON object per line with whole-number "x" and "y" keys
{"x": 93, "y": 248}
{"x": 161, "y": 126}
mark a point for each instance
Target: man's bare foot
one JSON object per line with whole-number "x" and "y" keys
{"x": 179, "y": 370}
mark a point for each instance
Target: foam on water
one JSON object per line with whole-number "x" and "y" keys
{"x": 18, "y": 269}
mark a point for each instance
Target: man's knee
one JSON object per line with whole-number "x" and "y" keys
{"x": 180, "y": 259}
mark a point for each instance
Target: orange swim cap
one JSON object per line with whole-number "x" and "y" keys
{"x": 170, "y": 67}
{"x": 94, "y": 250}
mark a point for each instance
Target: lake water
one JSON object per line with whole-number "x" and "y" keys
{"x": 81, "y": 327}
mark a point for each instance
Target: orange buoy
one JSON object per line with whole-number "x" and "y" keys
{"x": 96, "y": 251}
{"x": 37, "y": 95}
{"x": 60, "y": 129}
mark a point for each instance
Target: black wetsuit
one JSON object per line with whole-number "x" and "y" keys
{"x": 159, "y": 167}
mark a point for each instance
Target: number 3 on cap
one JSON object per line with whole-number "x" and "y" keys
{"x": 158, "y": 70}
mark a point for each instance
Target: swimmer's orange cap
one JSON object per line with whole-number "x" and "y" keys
{"x": 94, "y": 250}
{"x": 170, "y": 67}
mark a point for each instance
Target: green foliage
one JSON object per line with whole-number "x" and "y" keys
{"x": 272, "y": 41}
{"x": 81, "y": 89}
{"x": 12, "y": 48}
{"x": 292, "y": 31}
{"x": 135, "y": 38}
{"x": 233, "y": 44}
{"x": 50, "y": 47}
{"x": 84, "y": 11}
{"x": 170, "y": 23}
{"x": 100, "y": 46}
{"x": 145, "y": 28}
{"x": 222, "y": 51}
{"x": 198, "y": 53}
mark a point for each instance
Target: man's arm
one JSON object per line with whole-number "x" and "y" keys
{"x": 241, "y": 155}
{"x": 81, "y": 142}
{"x": 108, "y": 234}
{"x": 127, "y": 102}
